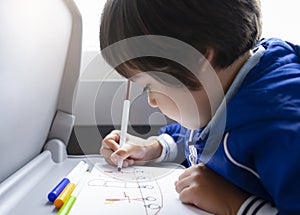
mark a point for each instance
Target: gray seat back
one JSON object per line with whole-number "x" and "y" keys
{"x": 40, "y": 50}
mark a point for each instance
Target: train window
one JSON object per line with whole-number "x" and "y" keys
{"x": 90, "y": 11}
{"x": 280, "y": 19}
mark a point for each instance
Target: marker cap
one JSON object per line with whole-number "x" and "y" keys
{"x": 64, "y": 182}
{"x": 58, "y": 189}
{"x": 62, "y": 198}
{"x": 65, "y": 209}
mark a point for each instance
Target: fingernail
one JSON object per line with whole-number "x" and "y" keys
{"x": 201, "y": 164}
{"x": 115, "y": 158}
{"x": 125, "y": 164}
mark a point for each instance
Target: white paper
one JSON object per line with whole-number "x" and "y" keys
{"x": 134, "y": 190}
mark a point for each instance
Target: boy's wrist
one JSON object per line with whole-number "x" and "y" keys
{"x": 168, "y": 148}
{"x": 153, "y": 149}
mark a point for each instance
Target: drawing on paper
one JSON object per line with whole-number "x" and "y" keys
{"x": 131, "y": 187}
{"x": 136, "y": 190}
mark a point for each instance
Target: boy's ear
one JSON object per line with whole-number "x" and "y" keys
{"x": 209, "y": 55}
{"x": 207, "y": 61}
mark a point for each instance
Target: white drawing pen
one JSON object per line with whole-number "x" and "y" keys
{"x": 124, "y": 123}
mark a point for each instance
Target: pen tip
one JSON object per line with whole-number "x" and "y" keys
{"x": 119, "y": 169}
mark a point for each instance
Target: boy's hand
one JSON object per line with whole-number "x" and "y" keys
{"x": 135, "y": 151}
{"x": 207, "y": 190}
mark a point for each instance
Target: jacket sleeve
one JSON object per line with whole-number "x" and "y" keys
{"x": 175, "y": 130}
{"x": 274, "y": 148}
{"x": 176, "y": 133}
{"x": 278, "y": 166}
{"x": 257, "y": 206}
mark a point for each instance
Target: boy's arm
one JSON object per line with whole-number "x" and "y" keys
{"x": 275, "y": 156}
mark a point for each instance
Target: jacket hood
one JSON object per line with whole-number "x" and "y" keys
{"x": 271, "y": 89}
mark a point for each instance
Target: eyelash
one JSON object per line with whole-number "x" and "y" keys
{"x": 146, "y": 88}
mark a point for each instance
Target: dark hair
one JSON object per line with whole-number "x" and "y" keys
{"x": 229, "y": 27}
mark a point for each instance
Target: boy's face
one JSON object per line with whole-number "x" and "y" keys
{"x": 189, "y": 108}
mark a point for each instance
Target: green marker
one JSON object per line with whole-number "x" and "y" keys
{"x": 65, "y": 209}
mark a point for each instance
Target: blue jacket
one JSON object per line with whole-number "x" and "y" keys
{"x": 259, "y": 147}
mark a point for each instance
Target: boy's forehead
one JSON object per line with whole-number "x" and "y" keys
{"x": 141, "y": 76}
{"x": 158, "y": 79}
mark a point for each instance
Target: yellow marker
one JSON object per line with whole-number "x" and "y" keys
{"x": 65, "y": 209}
{"x": 64, "y": 182}
{"x": 65, "y": 194}
{"x": 62, "y": 198}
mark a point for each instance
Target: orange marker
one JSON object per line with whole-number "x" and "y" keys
{"x": 65, "y": 194}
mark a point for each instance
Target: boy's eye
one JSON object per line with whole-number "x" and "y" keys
{"x": 146, "y": 88}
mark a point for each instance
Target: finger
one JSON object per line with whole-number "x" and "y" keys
{"x": 111, "y": 142}
{"x": 186, "y": 173}
{"x": 185, "y": 196}
{"x": 139, "y": 163}
{"x": 125, "y": 164}
{"x": 190, "y": 196}
{"x": 200, "y": 165}
{"x": 182, "y": 184}
{"x": 136, "y": 150}
{"x": 192, "y": 175}
{"x": 192, "y": 170}
{"x": 115, "y": 158}
{"x": 109, "y": 162}
{"x": 130, "y": 162}
{"x": 115, "y": 134}
{"x": 106, "y": 153}
{"x": 122, "y": 153}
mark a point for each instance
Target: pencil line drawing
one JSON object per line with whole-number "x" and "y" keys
{"x": 134, "y": 186}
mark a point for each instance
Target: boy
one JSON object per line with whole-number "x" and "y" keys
{"x": 238, "y": 98}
